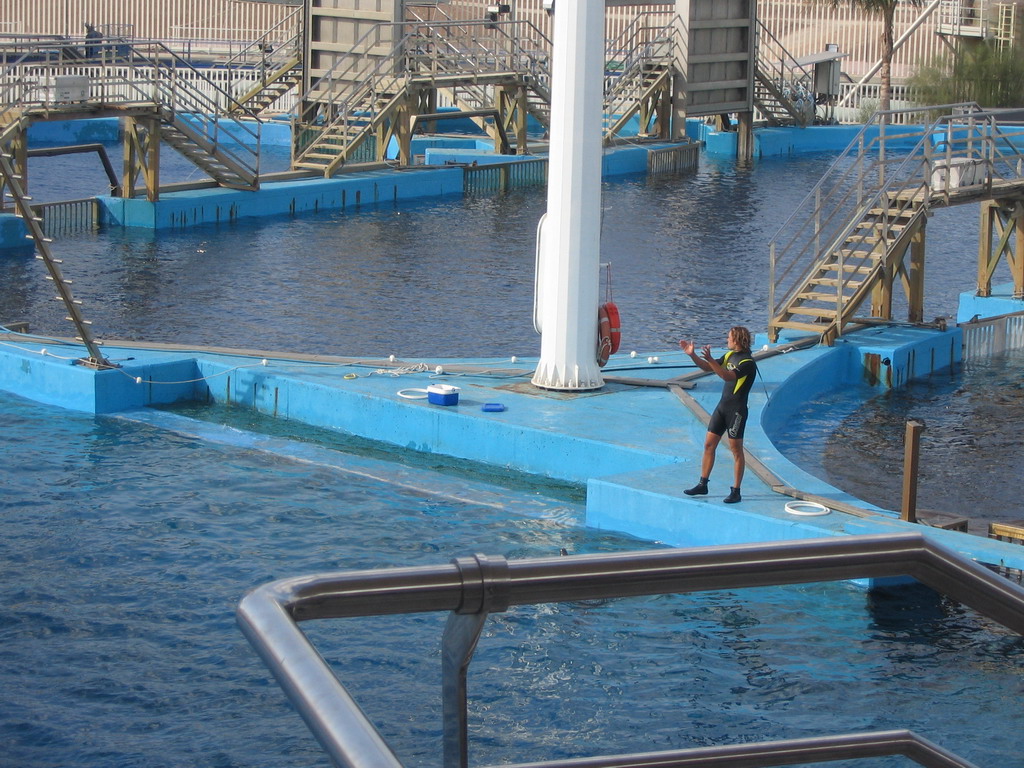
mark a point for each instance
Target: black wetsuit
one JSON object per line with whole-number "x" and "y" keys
{"x": 730, "y": 415}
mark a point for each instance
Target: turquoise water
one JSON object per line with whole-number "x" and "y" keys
{"x": 126, "y": 548}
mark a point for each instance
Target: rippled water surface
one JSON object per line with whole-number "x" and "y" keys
{"x": 970, "y": 449}
{"x": 452, "y": 277}
{"x": 126, "y": 548}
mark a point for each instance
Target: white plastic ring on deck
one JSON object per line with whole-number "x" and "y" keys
{"x": 413, "y": 394}
{"x": 806, "y": 508}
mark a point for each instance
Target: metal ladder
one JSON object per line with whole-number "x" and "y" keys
{"x": 23, "y": 209}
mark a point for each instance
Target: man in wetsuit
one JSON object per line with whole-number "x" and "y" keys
{"x": 738, "y": 370}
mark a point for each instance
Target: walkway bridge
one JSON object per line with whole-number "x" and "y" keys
{"x": 860, "y": 232}
{"x": 498, "y": 74}
{"x": 161, "y": 96}
{"x": 494, "y": 72}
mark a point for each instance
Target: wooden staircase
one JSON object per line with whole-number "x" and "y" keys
{"x": 145, "y": 83}
{"x": 776, "y": 107}
{"x": 354, "y": 110}
{"x": 269, "y": 88}
{"x": 215, "y": 159}
{"x": 839, "y": 258}
{"x": 336, "y": 141}
{"x": 843, "y": 278}
{"x": 643, "y": 90}
{"x": 11, "y": 181}
{"x": 783, "y": 89}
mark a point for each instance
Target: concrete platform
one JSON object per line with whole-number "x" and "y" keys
{"x": 634, "y": 444}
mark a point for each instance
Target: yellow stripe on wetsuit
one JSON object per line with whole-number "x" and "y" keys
{"x": 739, "y": 379}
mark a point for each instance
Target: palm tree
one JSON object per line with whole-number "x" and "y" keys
{"x": 886, "y": 9}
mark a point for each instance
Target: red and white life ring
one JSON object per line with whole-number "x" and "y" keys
{"x": 609, "y": 332}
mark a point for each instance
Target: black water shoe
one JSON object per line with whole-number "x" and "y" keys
{"x": 700, "y": 489}
{"x": 733, "y": 497}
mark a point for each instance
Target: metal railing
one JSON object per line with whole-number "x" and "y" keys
{"x": 123, "y": 72}
{"x": 501, "y": 177}
{"x": 343, "y": 101}
{"x": 889, "y": 168}
{"x": 679, "y": 159}
{"x": 68, "y": 217}
{"x": 471, "y": 588}
{"x": 993, "y": 335}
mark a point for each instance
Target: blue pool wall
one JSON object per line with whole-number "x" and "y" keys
{"x": 179, "y": 209}
{"x": 633, "y": 478}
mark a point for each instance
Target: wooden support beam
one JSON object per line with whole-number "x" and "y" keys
{"x": 914, "y": 278}
{"x": 141, "y": 156}
{"x": 911, "y": 455}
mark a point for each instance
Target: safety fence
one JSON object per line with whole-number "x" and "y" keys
{"x": 501, "y": 177}
{"x": 40, "y": 83}
{"x": 679, "y": 159}
{"x": 68, "y": 217}
{"x": 993, "y": 335}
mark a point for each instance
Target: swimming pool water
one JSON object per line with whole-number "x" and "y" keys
{"x": 126, "y": 548}
{"x": 970, "y": 448}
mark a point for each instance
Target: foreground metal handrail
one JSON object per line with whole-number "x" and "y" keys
{"x": 471, "y": 588}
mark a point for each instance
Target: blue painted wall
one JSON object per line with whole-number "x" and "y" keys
{"x": 183, "y": 209}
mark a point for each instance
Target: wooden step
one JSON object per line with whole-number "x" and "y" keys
{"x": 899, "y": 214}
{"x": 848, "y": 267}
{"x": 812, "y": 311}
{"x": 323, "y": 155}
{"x": 818, "y": 296}
{"x": 832, "y": 282}
{"x": 798, "y": 326}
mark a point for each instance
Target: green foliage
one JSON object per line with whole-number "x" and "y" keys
{"x": 981, "y": 73}
{"x": 866, "y": 110}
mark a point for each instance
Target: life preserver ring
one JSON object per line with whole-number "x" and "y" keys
{"x": 609, "y": 332}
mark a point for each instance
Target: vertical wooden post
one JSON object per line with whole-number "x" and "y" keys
{"x": 1016, "y": 258}
{"x": 915, "y": 278}
{"x": 911, "y": 453}
{"x": 988, "y": 215}
{"x": 745, "y": 137}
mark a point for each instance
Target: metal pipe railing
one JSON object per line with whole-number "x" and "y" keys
{"x": 269, "y": 616}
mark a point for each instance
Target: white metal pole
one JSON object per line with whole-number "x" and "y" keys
{"x": 570, "y": 240}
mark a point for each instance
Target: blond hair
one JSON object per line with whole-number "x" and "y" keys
{"x": 741, "y": 336}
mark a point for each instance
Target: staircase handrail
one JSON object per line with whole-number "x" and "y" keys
{"x": 857, "y": 183}
{"x": 265, "y": 56}
{"x": 644, "y": 45}
{"x": 234, "y": 139}
{"x": 148, "y": 71}
{"x": 638, "y": 43}
{"x": 779, "y": 66}
{"x": 266, "y": 49}
{"x": 364, "y": 76}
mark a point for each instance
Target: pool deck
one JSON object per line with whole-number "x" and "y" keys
{"x": 634, "y": 444}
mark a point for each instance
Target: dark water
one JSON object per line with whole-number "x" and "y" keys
{"x": 126, "y": 548}
{"x": 688, "y": 256}
{"x": 970, "y": 452}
